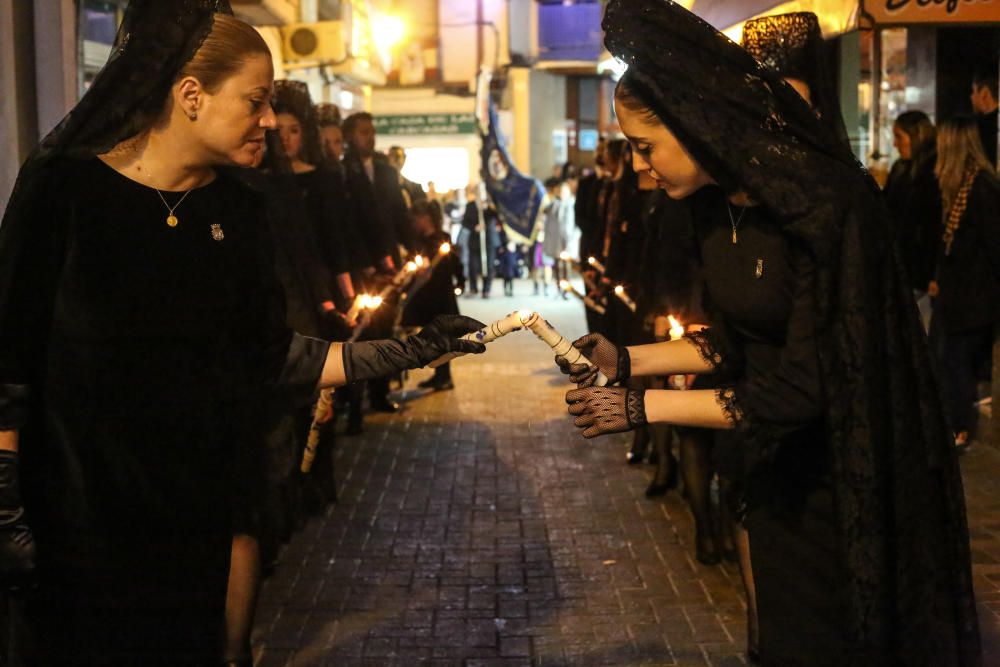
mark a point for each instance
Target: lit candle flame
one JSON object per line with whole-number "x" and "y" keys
{"x": 524, "y": 314}
{"x": 564, "y": 256}
{"x": 375, "y": 302}
{"x": 445, "y": 248}
{"x": 676, "y": 328}
{"x": 410, "y": 266}
{"x": 458, "y": 291}
{"x": 619, "y": 290}
{"x": 419, "y": 260}
{"x": 565, "y": 285}
{"x": 591, "y": 260}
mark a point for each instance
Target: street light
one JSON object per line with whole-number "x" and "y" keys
{"x": 387, "y": 31}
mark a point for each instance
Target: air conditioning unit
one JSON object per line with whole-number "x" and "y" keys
{"x": 320, "y": 42}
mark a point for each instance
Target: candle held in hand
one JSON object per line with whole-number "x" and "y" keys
{"x": 512, "y": 322}
{"x": 559, "y": 345}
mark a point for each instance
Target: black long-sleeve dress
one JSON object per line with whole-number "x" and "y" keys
{"x": 134, "y": 358}
{"x": 914, "y": 201}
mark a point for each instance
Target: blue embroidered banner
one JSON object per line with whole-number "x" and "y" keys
{"x": 518, "y": 198}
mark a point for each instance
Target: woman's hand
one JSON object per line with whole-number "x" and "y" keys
{"x": 932, "y": 289}
{"x": 604, "y": 410}
{"x": 379, "y": 358}
{"x": 606, "y": 357}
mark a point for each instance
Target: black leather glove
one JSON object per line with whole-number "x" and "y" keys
{"x": 604, "y": 410}
{"x": 17, "y": 544}
{"x": 610, "y": 359}
{"x": 378, "y": 358}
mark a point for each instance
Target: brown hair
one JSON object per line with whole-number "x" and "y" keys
{"x": 960, "y": 150}
{"x": 923, "y": 138}
{"x": 225, "y": 50}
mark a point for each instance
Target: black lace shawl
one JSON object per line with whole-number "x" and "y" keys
{"x": 900, "y": 507}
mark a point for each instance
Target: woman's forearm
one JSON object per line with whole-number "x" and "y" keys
{"x": 675, "y": 357}
{"x": 333, "y": 374}
{"x": 698, "y": 408}
{"x": 8, "y": 440}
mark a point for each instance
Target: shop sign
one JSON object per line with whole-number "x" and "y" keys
{"x": 417, "y": 124}
{"x": 934, "y": 11}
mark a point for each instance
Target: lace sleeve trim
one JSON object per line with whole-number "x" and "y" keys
{"x": 761, "y": 439}
{"x": 706, "y": 349}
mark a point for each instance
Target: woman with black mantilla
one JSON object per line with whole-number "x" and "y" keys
{"x": 141, "y": 327}
{"x": 853, "y": 500}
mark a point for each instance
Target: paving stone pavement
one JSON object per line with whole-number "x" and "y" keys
{"x": 478, "y": 529}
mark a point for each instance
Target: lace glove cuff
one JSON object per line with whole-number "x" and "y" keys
{"x": 604, "y": 410}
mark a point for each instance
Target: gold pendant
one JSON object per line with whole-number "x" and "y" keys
{"x": 172, "y": 221}
{"x": 734, "y": 237}
{"x": 217, "y": 233}
{"x": 760, "y": 269}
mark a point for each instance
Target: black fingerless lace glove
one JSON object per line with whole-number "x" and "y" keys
{"x": 378, "y": 358}
{"x": 604, "y": 356}
{"x": 604, "y": 410}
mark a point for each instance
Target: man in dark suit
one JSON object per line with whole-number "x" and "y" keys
{"x": 384, "y": 218}
{"x": 985, "y": 104}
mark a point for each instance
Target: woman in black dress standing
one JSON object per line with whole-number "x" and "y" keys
{"x": 966, "y": 285}
{"x": 141, "y": 328}
{"x": 853, "y": 496}
{"x": 914, "y": 201}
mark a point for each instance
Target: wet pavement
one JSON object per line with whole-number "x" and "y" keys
{"x": 478, "y": 529}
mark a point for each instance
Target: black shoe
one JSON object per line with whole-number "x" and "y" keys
{"x": 435, "y": 384}
{"x": 385, "y": 405}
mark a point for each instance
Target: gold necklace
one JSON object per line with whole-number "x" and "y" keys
{"x": 172, "y": 220}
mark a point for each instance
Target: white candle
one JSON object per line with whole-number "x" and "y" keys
{"x": 596, "y": 264}
{"x": 567, "y": 286}
{"x": 559, "y": 345}
{"x": 676, "y": 328}
{"x": 502, "y": 327}
{"x": 624, "y": 297}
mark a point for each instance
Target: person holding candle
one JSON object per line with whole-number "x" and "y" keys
{"x": 141, "y": 329}
{"x": 433, "y": 292}
{"x": 853, "y": 497}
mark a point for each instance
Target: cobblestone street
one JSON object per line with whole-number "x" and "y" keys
{"x": 478, "y": 529}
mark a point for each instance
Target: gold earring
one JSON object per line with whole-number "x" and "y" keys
{"x": 193, "y": 115}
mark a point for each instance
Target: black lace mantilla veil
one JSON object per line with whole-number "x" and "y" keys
{"x": 155, "y": 40}
{"x": 900, "y": 507}
{"x": 792, "y": 45}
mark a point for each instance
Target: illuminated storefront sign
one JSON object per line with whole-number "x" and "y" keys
{"x": 421, "y": 124}
{"x": 934, "y": 11}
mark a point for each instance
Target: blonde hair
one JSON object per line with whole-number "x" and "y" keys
{"x": 226, "y": 49}
{"x": 959, "y": 151}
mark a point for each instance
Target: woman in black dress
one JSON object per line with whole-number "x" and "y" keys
{"x": 433, "y": 293}
{"x": 914, "y": 201}
{"x": 141, "y": 329}
{"x": 966, "y": 285}
{"x": 853, "y": 496}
